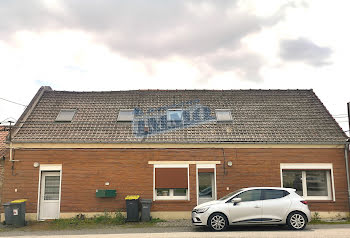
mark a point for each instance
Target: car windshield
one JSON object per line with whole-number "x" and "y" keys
{"x": 230, "y": 194}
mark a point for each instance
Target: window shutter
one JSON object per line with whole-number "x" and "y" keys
{"x": 171, "y": 178}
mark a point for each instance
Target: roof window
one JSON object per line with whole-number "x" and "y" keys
{"x": 66, "y": 115}
{"x": 174, "y": 115}
{"x": 223, "y": 115}
{"x": 126, "y": 115}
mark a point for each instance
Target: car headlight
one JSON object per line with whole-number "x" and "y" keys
{"x": 201, "y": 210}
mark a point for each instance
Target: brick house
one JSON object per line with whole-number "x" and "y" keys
{"x": 176, "y": 147}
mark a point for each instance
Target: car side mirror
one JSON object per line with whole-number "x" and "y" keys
{"x": 236, "y": 200}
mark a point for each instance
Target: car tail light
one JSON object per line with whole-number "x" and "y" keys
{"x": 304, "y": 202}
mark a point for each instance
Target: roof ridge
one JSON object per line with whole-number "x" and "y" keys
{"x": 186, "y": 90}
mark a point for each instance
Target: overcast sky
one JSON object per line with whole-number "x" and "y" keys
{"x": 86, "y": 45}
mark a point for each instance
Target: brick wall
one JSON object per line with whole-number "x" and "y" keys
{"x": 128, "y": 171}
{"x": 3, "y": 152}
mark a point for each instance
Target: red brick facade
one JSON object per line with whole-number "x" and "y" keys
{"x": 3, "y": 153}
{"x": 128, "y": 171}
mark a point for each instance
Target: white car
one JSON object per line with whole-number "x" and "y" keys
{"x": 258, "y": 205}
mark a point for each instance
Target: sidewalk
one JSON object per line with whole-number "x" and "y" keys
{"x": 179, "y": 228}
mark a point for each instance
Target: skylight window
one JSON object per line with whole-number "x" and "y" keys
{"x": 66, "y": 115}
{"x": 174, "y": 115}
{"x": 223, "y": 115}
{"x": 126, "y": 115}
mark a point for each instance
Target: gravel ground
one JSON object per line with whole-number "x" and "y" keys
{"x": 175, "y": 223}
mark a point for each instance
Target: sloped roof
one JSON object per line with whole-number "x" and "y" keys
{"x": 259, "y": 116}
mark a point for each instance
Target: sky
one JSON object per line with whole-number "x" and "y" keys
{"x": 86, "y": 45}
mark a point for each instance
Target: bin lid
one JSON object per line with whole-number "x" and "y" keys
{"x": 132, "y": 197}
{"x": 146, "y": 200}
{"x": 19, "y": 201}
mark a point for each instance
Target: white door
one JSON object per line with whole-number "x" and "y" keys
{"x": 206, "y": 187}
{"x": 49, "y": 195}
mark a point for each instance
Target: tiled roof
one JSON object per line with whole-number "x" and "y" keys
{"x": 259, "y": 116}
{"x": 3, "y": 134}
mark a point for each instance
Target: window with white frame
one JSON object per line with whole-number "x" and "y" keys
{"x": 311, "y": 181}
{"x": 170, "y": 182}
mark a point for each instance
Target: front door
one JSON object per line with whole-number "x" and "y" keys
{"x": 206, "y": 187}
{"x": 49, "y": 195}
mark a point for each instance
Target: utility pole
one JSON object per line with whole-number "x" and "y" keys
{"x": 349, "y": 116}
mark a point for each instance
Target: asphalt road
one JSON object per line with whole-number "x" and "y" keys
{"x": 317, "y": 231}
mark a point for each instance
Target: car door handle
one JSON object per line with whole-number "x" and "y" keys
{"x": 256, "y": 206}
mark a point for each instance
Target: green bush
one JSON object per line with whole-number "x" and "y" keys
{"x": 80, "y": 220}
{"x": 316, "y": 217}
{"x": 116, "y": 218}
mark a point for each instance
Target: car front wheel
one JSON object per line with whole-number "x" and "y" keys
{"x": 218, "y": 222}
{"x": 296, "y": 221}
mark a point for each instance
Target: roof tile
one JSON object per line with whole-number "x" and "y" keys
{"x": 259, "y": 116}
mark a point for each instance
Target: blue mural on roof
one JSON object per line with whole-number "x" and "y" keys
{"x": 172, "y": 117}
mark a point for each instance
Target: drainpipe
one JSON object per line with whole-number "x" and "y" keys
{"x": 347, "y": 168}
{"x": 347, "y": 156}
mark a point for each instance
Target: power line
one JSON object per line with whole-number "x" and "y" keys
{"x": 7, "y": 119}
{"x": 13, "y": 102}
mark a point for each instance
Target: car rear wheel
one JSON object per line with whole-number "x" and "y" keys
{"x": 296, "y": 221}
{"x": 217, "y": 222}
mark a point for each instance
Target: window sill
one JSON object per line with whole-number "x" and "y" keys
{"x": 320, "y": 201}
{"x": 172, "y": 201}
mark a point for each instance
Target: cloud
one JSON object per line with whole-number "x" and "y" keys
{"x": 153, "y": 30}
{"x": 306, "y": 51}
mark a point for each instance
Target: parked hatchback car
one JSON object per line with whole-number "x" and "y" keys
{"x": 257, "y": 206}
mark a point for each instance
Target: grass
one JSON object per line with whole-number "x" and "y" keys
{"x": 329, "y": 222}
{"x": 107, "y": 220}
{"x": 316, "y": 219}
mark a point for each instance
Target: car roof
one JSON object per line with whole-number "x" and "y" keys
{"x": 279, "y": 188}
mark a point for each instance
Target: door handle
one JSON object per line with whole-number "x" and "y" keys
{"x": 256, "y": 206}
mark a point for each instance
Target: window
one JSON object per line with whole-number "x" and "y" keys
{"x": 171, "y": 183}
{"x": 126, "y": 115}
{"x": 171, "y": 193}
{"x": 52, "y": 188}
{"x": 205, "y": 181}
{"x": 223, "y": 115}
{"x": 174, "y": 115}
{"x": 251, "y": 195}
{"x": 312, "y": 184}
{"x": 65, "y": 115}
{"x": 274, "y": 194}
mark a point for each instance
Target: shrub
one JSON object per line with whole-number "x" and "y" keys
{"x": 316, "y": 217}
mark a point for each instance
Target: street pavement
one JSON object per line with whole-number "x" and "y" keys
{"x": 316, "y": 231}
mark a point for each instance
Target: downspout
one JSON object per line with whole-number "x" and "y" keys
{"x": 347, "y": 169}
{"x": 347, "y": 156}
